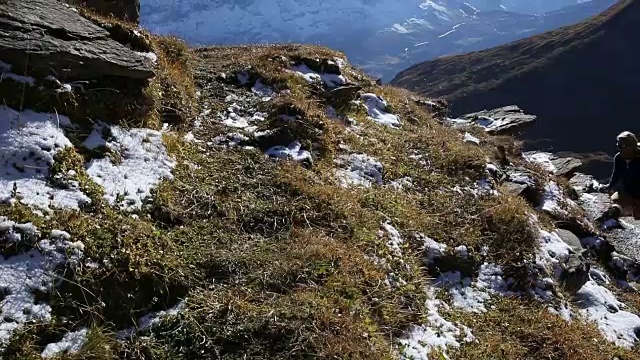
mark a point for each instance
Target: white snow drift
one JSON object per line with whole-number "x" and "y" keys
{"x": 28, "y": 143}
{"x": 34, "y": 271}
{"x": 377, "y": 110}
{"x": 144, "y": 163}
{"x": 358, "y": 170}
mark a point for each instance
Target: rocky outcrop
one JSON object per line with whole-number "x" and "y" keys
{"x": 498, "y": 121}
{"x": 42, "y": 38}
{"x": 128, "y": 10}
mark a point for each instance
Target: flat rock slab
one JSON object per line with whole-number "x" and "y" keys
{"x": 501, "y": 120}
{"x": 560, "y": 166}
{"x": 44, "y": 37}
{"x": 566, "y": 166}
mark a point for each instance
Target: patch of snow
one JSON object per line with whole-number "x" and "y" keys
{"x": 151, "y": 56}
{"x": 23, "y": 275}
{"x": 377, "y": 110}
{"x": 230, "y": 139}
{"x": 541, "y": 158}
{"x": 468, "y": 138}
{"x": 471, "y": 295}
{"x": 263, "y": 91}
{"x": 600, "y": 276}
{"x": 402, "y": 183}
{"x": 358, "y": 170}
{"x": 151, "y": 320}
{"x": 71, "y": 343}
{"x": 394, "y": 244}
{"x": 492, "y": 169}
{"x": 600, "y": 306}
{"x": 293, "y": 152}
{"x": 144, "y": 163}
{"x": 554, "y": 200}
{"x": 553, "y": 251}
{"x": 330, "y": 80}
{"x": 563, "y": 310}
{"x": 462, "y": 251}
{"x": 189, "y": 137}
{"x": 28, "y": 143}
{"x": 232, "y": 118}
{"x": 95, "y": 139}
{"x": 395, "y": 240}
{"x": 231, "y": 98}
{"x": 438, "y": 334}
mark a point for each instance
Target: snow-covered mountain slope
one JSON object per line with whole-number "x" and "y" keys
{"x": 382, "y": 36}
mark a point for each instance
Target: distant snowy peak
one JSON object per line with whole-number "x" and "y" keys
{"x": 297, "y": 20}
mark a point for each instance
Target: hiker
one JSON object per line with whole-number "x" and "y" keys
{"x": 624, "y": 185}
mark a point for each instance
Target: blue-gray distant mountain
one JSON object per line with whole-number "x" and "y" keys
{"x": 581, "y": 81}
{"x": 381, "y": 36}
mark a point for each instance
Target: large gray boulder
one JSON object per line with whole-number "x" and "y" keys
{"x": 44, "y": 37}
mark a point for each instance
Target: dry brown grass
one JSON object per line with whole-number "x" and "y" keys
{"x": 521, "y": 329}
{"x": 276, "y": 260}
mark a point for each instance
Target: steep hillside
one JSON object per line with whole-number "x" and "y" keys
{"x": 387, "y": 37}
{"x": 272, "y": 202}
{"x": 581, "y": 76}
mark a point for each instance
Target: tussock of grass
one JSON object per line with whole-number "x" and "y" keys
{"x": 522, "y": 329}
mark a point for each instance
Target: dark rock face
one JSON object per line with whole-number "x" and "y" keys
{"x": 128, "y": 10}
{"x": 43, "y": 38}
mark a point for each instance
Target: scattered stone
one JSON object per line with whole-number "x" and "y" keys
{"x": 347, "y": 92}
{"x": 584, "y": 183}
{"x": 520, "y": 181}
{"x": 439, "y": 108}
{"x": 68, "y": 44}
{"x": 575, "y": 273}
{"x": 572, "y": 240}
{"x": 514, "y": 188}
